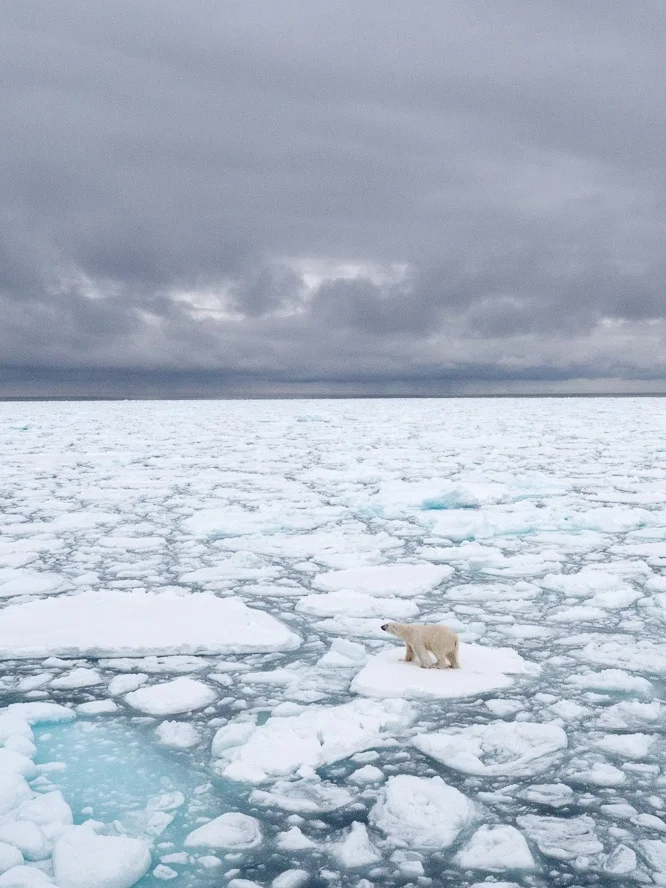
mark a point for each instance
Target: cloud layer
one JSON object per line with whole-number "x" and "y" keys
{"x": 255, "y": 198}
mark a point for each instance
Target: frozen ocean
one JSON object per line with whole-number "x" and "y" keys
{"x": 196, "y": 689}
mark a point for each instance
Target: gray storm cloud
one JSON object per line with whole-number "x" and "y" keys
{"x": 478, "y": 187}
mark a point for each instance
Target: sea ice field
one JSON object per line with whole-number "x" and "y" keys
{"x": 195, "y": 689}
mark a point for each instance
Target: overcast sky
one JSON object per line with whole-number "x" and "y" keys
{"x": 332, "y": 197}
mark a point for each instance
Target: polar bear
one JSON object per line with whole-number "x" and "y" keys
{"x": 421, "y": 638}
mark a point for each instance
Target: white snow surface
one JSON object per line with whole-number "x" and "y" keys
{"x": 138, "y": 623}
{"x": 517, "y": 748}
{"x": 421, "y": 812}
{"x": 318, "y": 736}
{"x": 172, "y": 697}
{"x": 481, "y": 669}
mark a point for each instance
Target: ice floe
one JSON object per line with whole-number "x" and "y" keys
{"x": 230, "y": 831}
{"x": 138, "y": 623}
{"x": 172, "y": 697}
{"x": 420, "y": 812}
{"x": 496, "y": 849}
{"x": 496, "y": 749}
{"x": 481, "y": 669}
{"x": 400, "y": 580}
{"x": 318, "y": 736}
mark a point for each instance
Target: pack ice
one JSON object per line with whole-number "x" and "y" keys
{"x": 196, "y": 590}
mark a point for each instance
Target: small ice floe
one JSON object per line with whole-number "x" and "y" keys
{"x": 386, "y": 580}
{"x": 230, "y": 831}
{"x": 496, "y": 749}
{"x": 172, "y": 697}
{"x": 496, "y": 849}
{"x": 421, "y": 812}
{"x": 318, "y": 736}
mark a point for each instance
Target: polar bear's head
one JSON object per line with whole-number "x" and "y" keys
{"x": 393, "y": 628}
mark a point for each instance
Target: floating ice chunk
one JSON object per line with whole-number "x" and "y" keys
{"x": 24, "y": 877}
{"x": 304, "y": 796}
{"x": 294, "y": 840}
{"x": 356, "y": 604}
{"x": 27, "y": 837}
{"x": 495, "y": 885}
{"x": 166, "y": 801}
{"x": 599, "y": 774}
{"x": 28, "y": 582}
{"x": 47, "y": 810}
{"x": 553, "y": 795}
{"x": 343, "y": 654}
{"x": 401, "y": 580}
{"x": 32, "y": 682}
{"x": 421, "y": 812}
{"x": 41, "y": 713}
{"x": 628, "y": 714}
{"x": 178, "y": 735}
{"x": 654, "y": 851}
{"x": 562, "y": 838}
{"x": 230, "y": 736}
{"x": 579, "y": 614}
{"x": 481, "y": 669}
{"x": 13, "y": 791}
{"x": 9, "y": 857}
{"x": 138, "y": 623}
{"x": 231, "y": 831}
{"x": 172, "y": 697}
{"x": 165, "y": 873}
{"x": 318, "y": 736}
{"x": 504, "y": 707}
{"x": 590, "y": 580}
{"x": 12, "y": 762}
{"x": 367, "y": 774}
{"x": 631, "y": 746}
{"x": 635, "y": 655}
{"x": 77, "y": 678}
{"x": 464, "y": 524}
{"x": 493, "y": 592}
{"x": 356, "y": 850}
{"x": 123, "y": 684}
{"x": 291, "y": 878}
{"x": 83, "y": 859}
{"x": 517, "y": 748}
{"x": 97, "y": 707}
{"x": 611, "y": 680}
{"x": 568, "y": 710}
{"x": 620, "y": 861}
{"x": 496, "y": 848}
{"x": 651, "y": 821}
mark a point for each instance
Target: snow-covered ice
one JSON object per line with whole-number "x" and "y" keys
{"x": 172, "y": 697}
{"x": 230, "y": 831}
{"x": 421, "y": 812}
{"x": 319, "y": 736}
{"x": 515, "y": 748}
{"x": 481, "y": 669}
{"x": 138, "y": 623}
{"x": 196, "y": 589}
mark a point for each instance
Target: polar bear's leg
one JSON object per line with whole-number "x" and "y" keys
{"x": 409, "y": 653}
{"x": 422, "y": 655}
{"x": 453, "y": 656}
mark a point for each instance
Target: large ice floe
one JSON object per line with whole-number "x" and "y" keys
{"x": 195, "y": 687}
{"x": 138, "y": 623}
{"x": 482, "y": 669}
